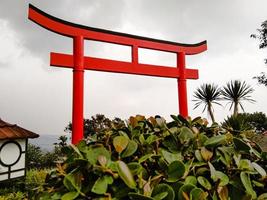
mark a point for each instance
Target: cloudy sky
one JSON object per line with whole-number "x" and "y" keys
{"x": 39, "y": 97}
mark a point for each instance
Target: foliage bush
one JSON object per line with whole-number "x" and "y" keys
{"x": 24, "y": 188}
{"x": 256, "y": 121}
{"x": 150, "y": 159}
{"x": 39, "y": 159}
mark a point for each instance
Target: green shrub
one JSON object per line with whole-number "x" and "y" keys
{"x": 24, "y": 188}
{"x": 14, "y": 196}
{"x": 151, "y": 159}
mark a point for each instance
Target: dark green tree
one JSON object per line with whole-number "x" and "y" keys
{"x": 207, "y": 94}
{"x": 97, "y": 124}
{"x": 258, "y": 120}
{"x": 262, "y": 37}
{"x": 235, "y": 92}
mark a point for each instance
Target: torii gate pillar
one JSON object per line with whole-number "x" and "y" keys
{"x": 78, "y": 89}
{"x": 182, "y": 91}
{"x": 78, "y": 62}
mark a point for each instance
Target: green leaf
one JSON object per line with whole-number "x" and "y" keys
{"x": 120, "y": 143}
{"x": 198, "y": 155}
{"x": 170, "y": 157}
{"x": 76, "y": 150}
{"x": 198, "y": 194}
{"x": 245, "y": 164}
{"x": 240, "y": 145}
{"x": 245, "y": 179}
{"x": 135, "y": 168}
{"x": 215, "y": 141}
{"x": 223, "y": 193}
{"x": 161, "y": 188}
{"x": 72, "y": 182}
{"x": 151, "y": 139}
{"x": 185, "y": 135}
{"x": 218, "y": 175}
{"x": 101, "y": 184}
{"x": 160, "y": 196}
{"x": 135, "y": 196}
{"x": 206, "y": 154}
{"x": 212, "y": 172}
{"x": 185, "y": 189}
{"x": 190, "y": 180}
{"x": 204, "y": 182}
{"x": 130, "y": 149}
{"x": 145, "y": 157}
{"x": 70, "y": 196}
{"x": 259, "y": 169}
{"x": 93, "y": 153}
{"x": 175, "y": 171}
{"x": 224, "y": 180}
{"x": 125, "y": 174}
{"x": 262, "y": 196}
{"x": 258, "y": 184}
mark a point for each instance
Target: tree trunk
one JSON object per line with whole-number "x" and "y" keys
{"x": 235, "y": 109}
{"x": 211, "y": 113}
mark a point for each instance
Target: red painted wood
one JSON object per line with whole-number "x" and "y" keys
{"x": 78, "y": 81}
{"x": 182, "y": 91}
{"x": 100, "y": 64}
{"x": 71, "y": 30}
{"x": 78, "y": 62}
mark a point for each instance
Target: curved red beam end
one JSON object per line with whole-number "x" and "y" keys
{"x": 72, "y": 30}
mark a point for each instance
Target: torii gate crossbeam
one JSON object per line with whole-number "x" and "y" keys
{"x": 78, "y": 62}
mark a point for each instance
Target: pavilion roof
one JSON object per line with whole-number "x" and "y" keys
{"x": 13, "y": 131}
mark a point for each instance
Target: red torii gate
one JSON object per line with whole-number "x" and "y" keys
{"x": 78, "y": 62}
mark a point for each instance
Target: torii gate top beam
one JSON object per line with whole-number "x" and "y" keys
{"x": 71, "y": 30}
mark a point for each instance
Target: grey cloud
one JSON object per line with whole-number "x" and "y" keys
{"x": 102, "y": 14}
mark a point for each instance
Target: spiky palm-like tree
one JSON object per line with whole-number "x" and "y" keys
{"x": 207, "y": 94}
{"x": 236, "y": 92}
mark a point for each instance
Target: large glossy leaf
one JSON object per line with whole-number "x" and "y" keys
{"x": 70, "y": 196}
{"x": 198, "y": 194}
{"x": 218, "y": 176}
{"x": 212, "y": 172}
{"x": 170, "y": 157}
{"x": 215, "y": 141}
{"x": 120, "y": 143}
{"x": 224, "y": 180}
{"x": 185, "y": 135}
{"x": 204, "y": 182}
{"x": 93, "y": 153}
{"x": 262, "y": 196}
{"x": 160, "y": 196}
{"x": 240, "y": 145}
{"x": 175, "y": 171}
{"x": 161, "y": 188}
{"x": 245, "y": 165}
{"x": 223, "y": 193}
{"x": 190, "y": 180}
{"x": 135, "y": 168}
{"x": 101, "y": 184}
{"x": 145, "y": 157}
{"x": 130, "y": 149}
{"x": 259, "y": 169}
{"x": 185, "y": 189}
{"x": 198, "y": 155}
{"x": 125, "y": 174}
{"x": 245, "y": 179}
{"x": 206, "y": 154}
{"x": 72, "y": 182}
